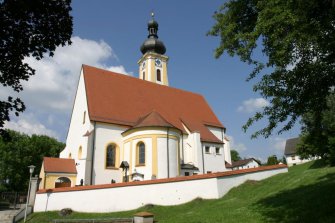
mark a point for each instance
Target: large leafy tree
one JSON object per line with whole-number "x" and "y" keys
{"x": 272, "y": 160}
{"x": 318, "y": 133}
{"x": 297, "y": 39}
{"x": 17, "y": 152}
{"x": 28, "y": 28}
{"x": 235, "y": 156}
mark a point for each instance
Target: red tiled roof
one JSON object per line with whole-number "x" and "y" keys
{"x": 165, "y": 180}
{"x": 120, "y": 99}
{"x": 59, "y": 165}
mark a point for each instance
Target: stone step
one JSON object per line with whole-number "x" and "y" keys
{"x": 6, "y": 216}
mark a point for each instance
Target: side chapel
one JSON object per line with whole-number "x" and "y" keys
{"x": 142, "y": 124}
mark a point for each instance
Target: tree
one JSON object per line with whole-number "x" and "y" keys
{"x": 28, "y": 29}
{"x": 284, "y": 160}
{"x": 297, "y": 38}
{"x": 272, "y": 160}
{"x": 234, "y": 155}
{"x": 318, "y": 133}
{"x": 18, "y": 151}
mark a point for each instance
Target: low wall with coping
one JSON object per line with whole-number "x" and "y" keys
{"x": 132, "y": 195}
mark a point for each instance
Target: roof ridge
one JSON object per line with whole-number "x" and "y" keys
{"x": 147, "y": 82}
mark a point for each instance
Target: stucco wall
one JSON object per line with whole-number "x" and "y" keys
{"x": 50, "y": 179}
{"x": 105, "y": 135}
{"x": 214, "y": 162}
{"x": 297, "y": 160}
{"x": 127, "y": 196}
{"x": 78, "y": 127}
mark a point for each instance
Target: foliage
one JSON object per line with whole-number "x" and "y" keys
{"x": 318, "y": 133}
{"x": 18, "y": 151}
{"x": 283, "y": 160}
{"x": 272, "y": 160}
{"x": 235, "y": 156}
{"x": 276, "y": 199}
{"x": 28, "y": 29}
{"x": 297, "y": 38}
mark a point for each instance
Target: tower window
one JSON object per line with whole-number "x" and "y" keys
{"x": 152, "y": 31}
{"x": 143, "y": 75}
{"x": 159, "y": 78}
{"x": 84, "y": 117}
{"x": 80, "y": 152}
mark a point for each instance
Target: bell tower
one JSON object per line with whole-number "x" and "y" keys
{"x": 153, "y": 63}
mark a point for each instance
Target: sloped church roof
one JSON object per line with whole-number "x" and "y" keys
{"x": 121, "y": 99}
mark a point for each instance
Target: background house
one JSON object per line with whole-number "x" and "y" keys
{"x": 292, "y": 158}
{"x": 243, "y": 164}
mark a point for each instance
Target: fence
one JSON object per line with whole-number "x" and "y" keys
{"x": 12, "y": 200}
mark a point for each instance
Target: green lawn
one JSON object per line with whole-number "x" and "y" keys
{"x": 305, "y": 194}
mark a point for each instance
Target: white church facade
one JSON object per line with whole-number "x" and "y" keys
{"x": 155, "y": 130}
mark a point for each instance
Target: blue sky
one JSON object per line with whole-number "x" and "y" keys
{"x": 109, "y": 34}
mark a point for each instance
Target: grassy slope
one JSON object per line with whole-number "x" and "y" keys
{"x": 305, "y": 194}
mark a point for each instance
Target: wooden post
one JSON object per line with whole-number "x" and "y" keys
{"x": 144, "y": 217}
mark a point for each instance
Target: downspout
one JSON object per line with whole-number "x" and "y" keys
{"x": 93, "y": 149}
{"x": 167, "y": 148}
{"x": 203, "y": 159}
{"x": 223, "y": 150}
{"x": 182, "y": 146}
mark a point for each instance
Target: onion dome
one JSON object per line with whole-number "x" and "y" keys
{"x": 153, "y": 44}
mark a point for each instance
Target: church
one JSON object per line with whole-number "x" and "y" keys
{"x": 124, "y": 128}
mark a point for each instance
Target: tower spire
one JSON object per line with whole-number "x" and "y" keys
{"x": 153, "y": 64}
{"x": 153, "y": 44}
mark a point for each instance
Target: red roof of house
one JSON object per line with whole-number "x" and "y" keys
{"x": 121, "y": 99}
{"x": 59, "y": 165}
{"x": 242, "y": 162}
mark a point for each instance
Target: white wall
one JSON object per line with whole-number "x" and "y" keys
{"x": 214, "y": 162}
{"x": 226, "y": 148}
{"x": 164, "y": 192}
{"x": 218, "y": 132}
{"x": 297, "y": 160}
{"x": 106, "y": 134}
{"x": 77, "y": 129}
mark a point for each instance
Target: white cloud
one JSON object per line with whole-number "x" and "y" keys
{"x": 119, "y": 69}
{"x": 239, "y": 147}
{"x": 53, "y": 86}
{"x": 29, "y": 125}
{"x": 278, "y": 143}
{"x": 51, "y": 90}
{"x": 253, "y": 104}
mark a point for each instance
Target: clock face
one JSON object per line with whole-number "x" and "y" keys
{"x": 143, "y": 65}
{"x": 158, "y": 62}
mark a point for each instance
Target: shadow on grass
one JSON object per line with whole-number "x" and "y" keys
{"x": 318, "y": 164}
{"x": 310, "y": 203}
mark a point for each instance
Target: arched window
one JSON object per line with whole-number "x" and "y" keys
{"x": 158, "y": 72}
{"x": 62, "y": 182}
{"x": 143, "y": 75}
{"x": 80, "y": 152}
{"x": 111, "y": 156}
{"x": 140, "y": 154}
